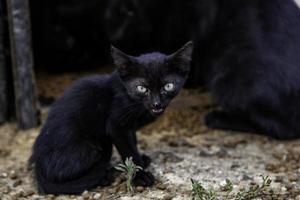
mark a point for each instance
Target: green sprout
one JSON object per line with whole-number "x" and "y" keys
{"x": 254, "y": 191}
{"x": 228, "y": 188}
{"x": 200, "y": 193}
{"x": 130, "y": 169}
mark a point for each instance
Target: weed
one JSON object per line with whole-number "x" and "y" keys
{"x": 200, "y": 193}
{"x": 130, "y": 170}
{"x": 252, "y": 192}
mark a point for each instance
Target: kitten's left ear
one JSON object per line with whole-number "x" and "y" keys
{"x": 182, "y": 58}
{"x": 122, "y": 61}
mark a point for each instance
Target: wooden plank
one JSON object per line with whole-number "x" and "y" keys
{"x": 3, "y": 69}
{"x": 22, "y": 63}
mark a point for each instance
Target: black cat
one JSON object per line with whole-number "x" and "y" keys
{"x": 249, "y": 58}
{"x": 73, "y": 150}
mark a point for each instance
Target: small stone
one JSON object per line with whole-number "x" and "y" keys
{"x": 28, "y": 192}
{"x": 161, "y": 186}
{"x": 85, "y": 195}
{"x": 279, "y": 179}
{"x": 80, "y": 198}
{"x": 20, "y": 193}
{"x": 222, "y": 153}
{"x": 246, "y": 177}
{"x": 293, "y": 178}
{"x": 235, "y": 165}
{"x": 13, "y": 174}
{"x": 140, "y": 188}
{"x": 13, "y": 196}
{"x": 4, "y": 175}
{"x": 17, "y": 183}
{"x": 204, "y": 153}
{"x": 283, "y": 189}
{"x": 97, "y": 196}
{"x": 289, "y": 186}
{"x": 168, "y": 197}
{"x": 6, "y": 190}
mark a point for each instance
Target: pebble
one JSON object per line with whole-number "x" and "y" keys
{"x": 6, "y": 190}
{"x": 85, "y": 195}
{"x": 4, "y": 175}
{"x": 293, "y": 178}
{"x": 28, "y": 192}
{"x": 246, "y": 177}
{"x": 279, "y": 179}
{"x": 161, "y": 186}
{"x": 13, "y": 174}
{"x": 97, "y": 196}
{"x": 168, "y": 197}
{"x": 140, "y": 188}
{"x": 283, "y": 189}
{"x": 17, "y": 183}
{"x": 235, "y": 165}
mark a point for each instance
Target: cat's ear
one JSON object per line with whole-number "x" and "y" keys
{"x": 122, "y": 61}
{"x": 181, "y": 59}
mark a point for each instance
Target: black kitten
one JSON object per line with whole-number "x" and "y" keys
{"x": 73, "y": 150}
{"x": 249, "y": 58}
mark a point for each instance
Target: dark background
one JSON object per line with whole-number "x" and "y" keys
{"x": 75, "y": 35}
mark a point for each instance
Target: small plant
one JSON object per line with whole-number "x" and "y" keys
{"x": 200, "y": 193}
{"x": 228, "y": 188}
{"x": 130, "y": 169}
{"x": 254, "y": 191}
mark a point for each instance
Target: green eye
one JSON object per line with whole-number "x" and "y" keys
{"x": 141, "y": 89}
{"x": 169, "y": 87}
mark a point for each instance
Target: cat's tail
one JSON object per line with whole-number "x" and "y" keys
{"x": 99, "y": 175}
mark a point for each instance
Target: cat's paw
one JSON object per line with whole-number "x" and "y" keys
{"x": 143, "y": 178}
{"x": 214, "y": 119}
{"x": 146, "y": 161}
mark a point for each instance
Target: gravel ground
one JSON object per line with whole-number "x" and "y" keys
{"x": 181, "y": 148}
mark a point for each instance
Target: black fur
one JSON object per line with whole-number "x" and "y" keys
{"x": 250, "y": 61}
{"x": 73, "y": 151}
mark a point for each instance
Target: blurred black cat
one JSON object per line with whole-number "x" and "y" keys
{"x": 249, "y": 58}
{"x": 73, "y": 151}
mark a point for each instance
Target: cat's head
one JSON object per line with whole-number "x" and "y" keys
{"x": 154, "y": 79}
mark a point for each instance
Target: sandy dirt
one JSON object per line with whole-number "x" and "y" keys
{"x": 181, "y": 148}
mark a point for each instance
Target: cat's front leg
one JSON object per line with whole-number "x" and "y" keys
{"x": 126, "y": 146}
{"x": 146, "y": 159}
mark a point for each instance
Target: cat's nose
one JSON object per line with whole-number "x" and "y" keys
{"x": 157, "y": 108}
{"x": 156, "y": 105}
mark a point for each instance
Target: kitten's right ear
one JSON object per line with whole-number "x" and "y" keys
{"x": 121, "y": 60}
